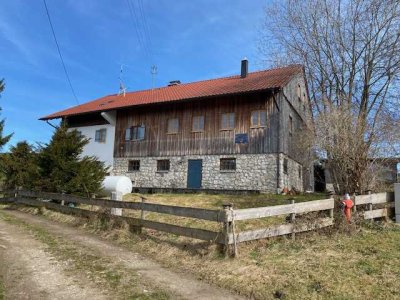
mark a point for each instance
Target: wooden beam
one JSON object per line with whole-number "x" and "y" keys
{"x": 374, "y": 198}
{"x": 7, "y": 200}
{"x": 280, "y": 230}
{"x": 201, "y": 234}
{"x": 269, "y": 211}
{"x": 189, "y": 212}
{"x": 376, "y": 213}
{"x": 196, "y": 233}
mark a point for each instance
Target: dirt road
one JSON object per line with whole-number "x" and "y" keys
{"x": 41, "y": 259}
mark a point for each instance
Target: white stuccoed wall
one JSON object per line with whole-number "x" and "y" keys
{"x": 103, "y": 151}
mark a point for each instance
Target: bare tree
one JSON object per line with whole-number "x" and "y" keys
{"x": 351, "y": 53}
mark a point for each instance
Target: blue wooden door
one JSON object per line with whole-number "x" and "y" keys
{"x": 194, "y": 173}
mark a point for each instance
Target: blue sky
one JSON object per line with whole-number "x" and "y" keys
{"x": 187, "y": 40}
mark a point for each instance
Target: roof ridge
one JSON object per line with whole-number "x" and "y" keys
{"x": 206, "y": 80}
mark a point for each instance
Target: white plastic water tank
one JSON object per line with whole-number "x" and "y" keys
{"x": 120, "y": 184}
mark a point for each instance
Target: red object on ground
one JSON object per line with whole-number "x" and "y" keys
{"x": 348, "y": 204}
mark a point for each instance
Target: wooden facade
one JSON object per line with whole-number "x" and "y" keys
{"x": 212, "y": 140}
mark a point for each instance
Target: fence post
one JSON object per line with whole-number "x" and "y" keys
{"x": 354, "y": 206}
{"x": 142, "y": 214}
{"x": 292, "y": 220}
{"x": 116, "y": 196}
{"x": 227, "y": 230}
{"x": 370, "y": 205}
{"x": 62, "y": 197}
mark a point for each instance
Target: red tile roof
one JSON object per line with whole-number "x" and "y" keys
{"x": 256, "y": 81}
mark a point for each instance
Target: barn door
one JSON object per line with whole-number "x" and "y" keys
{"x": 194, "y": 173}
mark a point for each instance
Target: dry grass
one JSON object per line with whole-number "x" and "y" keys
{"x": 360, "y": 262}
{"x": 215, "y": 202}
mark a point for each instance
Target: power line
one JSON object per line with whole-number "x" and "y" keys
{"x": 59, "y": 52}
{"x": 145, "y": 25}
{"x": 139, "y": 23}
{"x": 134, "y": 23}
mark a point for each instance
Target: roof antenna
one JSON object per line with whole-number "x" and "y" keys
{"x": 122, "y": 88}
{"x": 153, "y": 72}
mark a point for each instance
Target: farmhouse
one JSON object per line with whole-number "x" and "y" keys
{"x": 228, "y": 133}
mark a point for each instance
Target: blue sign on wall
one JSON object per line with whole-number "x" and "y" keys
{"x": 241, "y": 138}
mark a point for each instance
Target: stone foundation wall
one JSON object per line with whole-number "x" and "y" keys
{"x": 253, "y": 172}
{"x": 291, "y": 179}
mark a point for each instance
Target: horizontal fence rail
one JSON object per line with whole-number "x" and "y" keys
{"x": 278, "y": 230}
{"x": 190, "y": 212}
{"x": 227, "y": 217}
{"x": 269, "y": 211}
{"x": 375, "y": 199}
{"x": 201, "y": 234}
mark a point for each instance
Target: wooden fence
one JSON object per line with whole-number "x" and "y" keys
{"x": 373, "y": 200}
{"x": 227, "y": 216}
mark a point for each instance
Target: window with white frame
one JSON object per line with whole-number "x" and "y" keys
{"x": 100, "y": 135}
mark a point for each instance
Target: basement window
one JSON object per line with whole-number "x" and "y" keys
{"x": 100, "y": 135}
{"x": 133, "y": 165}
{"x": 285, "y": 166}
{"x": 163, "y": 165}
{"x": 227, "y": 164}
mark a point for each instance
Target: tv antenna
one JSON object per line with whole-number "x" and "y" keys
{"x": 122, "y": 88}
{"x": 153, "y": 72}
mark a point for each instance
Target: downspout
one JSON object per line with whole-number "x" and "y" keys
{"x": 278, "y": 160}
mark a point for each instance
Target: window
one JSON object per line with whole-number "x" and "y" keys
{"x": 285, "y": 165}
{"x": 228, "y": 121}
{"x": 173, "y": 126}
{"x": 135, "y": 133}
{"x": 227, "y": 164}
{"x": 79, "y": 133}
{"x": 133, "y": 165}
{"x": 198, "y": 124}
{"x": 163, "y": 165}
{"x": 298, "y": 91}
{"x": 290, "y": 125}
{"x": 300, "y": 171}
{"x": 100, "y": 135}
{"x": 259, "y": 118}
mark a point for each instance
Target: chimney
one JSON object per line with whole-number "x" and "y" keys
{"x": 174, "y": 82}
{"x": 245, "y": 68}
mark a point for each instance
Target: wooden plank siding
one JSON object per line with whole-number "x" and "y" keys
{"x": 212, "y": 140}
